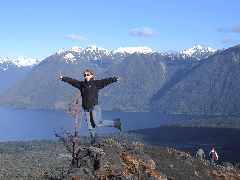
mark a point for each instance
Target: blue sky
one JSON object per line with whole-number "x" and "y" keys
{"x": 39, "y": 28}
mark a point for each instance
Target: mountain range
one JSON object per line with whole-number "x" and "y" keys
{"x": 13, "y": 69}
{"x": 210, "y": 87}
{"x": 198, "y": 80}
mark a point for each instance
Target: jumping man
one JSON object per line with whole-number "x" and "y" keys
{"x": 91, "y": 109}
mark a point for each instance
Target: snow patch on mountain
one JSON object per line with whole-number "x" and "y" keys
{"x": 132, "y": 50}
{"x": 198, "y": 51}
{"x": 61, "y": 51}
{"x": 94, "y": 48}
{"x": 69, "y": 57}
{"x": 97, "y": 53}
{"x": 19, "y": 61}
{"x": 76, "y": 49}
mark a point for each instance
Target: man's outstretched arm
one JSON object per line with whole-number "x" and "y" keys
{"x": 104, "y": 82}
{"x": 71, "y": 81}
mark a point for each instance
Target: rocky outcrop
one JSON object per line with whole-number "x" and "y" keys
{"x": 110, "y": 159}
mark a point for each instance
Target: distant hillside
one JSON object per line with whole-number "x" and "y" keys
{"x": 10, "y": 74}
{"x": 41, "y": 88}
{"x": 171, "y": 83}
{"x": 142, "y": 75}
{"x": 210, "y": 88}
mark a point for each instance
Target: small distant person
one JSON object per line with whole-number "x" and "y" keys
{"x": 89, "y": 89}
{"x": 200, "y": 154}
{"x": 213, "y": 156}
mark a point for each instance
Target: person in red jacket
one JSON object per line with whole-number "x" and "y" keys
{"x": 89, "y": 89}
{"x": 213, "y": 155}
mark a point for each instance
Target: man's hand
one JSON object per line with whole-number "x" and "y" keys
{"x": 60, "y": 76}
{"x": 116, "y": 78}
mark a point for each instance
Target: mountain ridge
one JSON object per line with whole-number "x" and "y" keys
{"x": 211, "y": 87}
{"x": 153, "y": 77}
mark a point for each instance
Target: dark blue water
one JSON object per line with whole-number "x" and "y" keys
{"x": 22, "y": 124}
{"x": 189, "y": 139}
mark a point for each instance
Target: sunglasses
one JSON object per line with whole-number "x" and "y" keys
{"x": 85, "y": 75}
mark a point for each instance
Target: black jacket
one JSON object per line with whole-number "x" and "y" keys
{"x": 89, "y": 89}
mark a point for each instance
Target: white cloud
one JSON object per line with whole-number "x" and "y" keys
{"x": 75, "y": 37}
{"x": 236, "y": 29}
{"x": 221, "y": 29}
{"x": 143, "y": 32}
{"x": 233, "y": 29}
{"x": 227, "y": 40}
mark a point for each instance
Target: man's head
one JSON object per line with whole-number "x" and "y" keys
{"x": 88, "y": 74}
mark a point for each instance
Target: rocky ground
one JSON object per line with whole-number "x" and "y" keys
{"x": 109, "y": 158}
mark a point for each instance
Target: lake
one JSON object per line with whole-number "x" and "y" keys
{"x": 24, "y": 124}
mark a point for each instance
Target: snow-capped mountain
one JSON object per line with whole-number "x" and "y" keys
{"x": 107, "y": 52}
{"x": 198, "y": 52}
{"x": 88, "y": 53}
{"x": 14, "y": 69}
{"x": 132, "y": 50}
{"x": 6, "y": 62}
{"x": 98, "y": 53}
{"x": 165, "y": 69}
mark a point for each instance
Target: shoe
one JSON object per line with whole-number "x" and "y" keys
{"x": 93, "y": 139}
{"x": 118, "y": 124}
